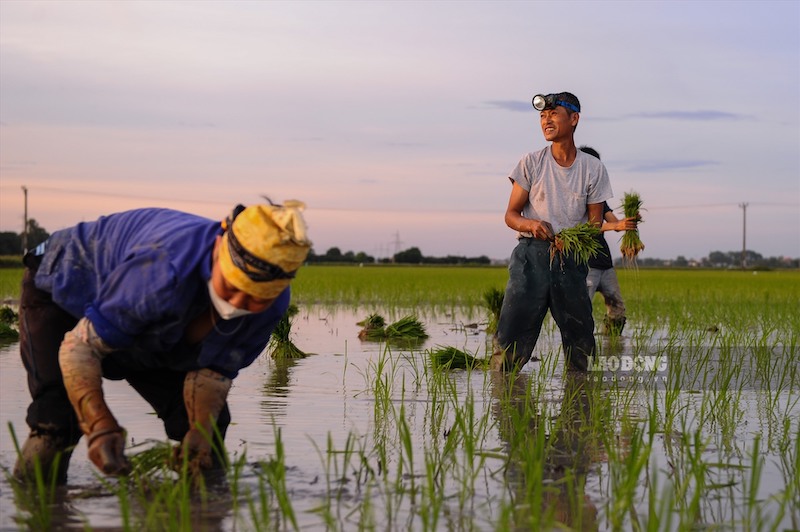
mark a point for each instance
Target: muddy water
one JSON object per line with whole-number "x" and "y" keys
{"x": 329, "y": 396}
{"x": 309, "y": 399}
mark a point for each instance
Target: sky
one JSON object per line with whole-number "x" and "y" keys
{"x": 398, "y": 123}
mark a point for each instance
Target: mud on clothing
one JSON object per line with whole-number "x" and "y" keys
{"x": 534, "y": 287}
{"x": 140, "y": 276}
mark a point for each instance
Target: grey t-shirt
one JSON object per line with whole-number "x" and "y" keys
{"x": 559, "y": 195}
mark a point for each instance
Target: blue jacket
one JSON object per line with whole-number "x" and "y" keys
{"x": 140, "y": 277}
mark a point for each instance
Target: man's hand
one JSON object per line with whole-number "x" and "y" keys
{"x": 204, "y": 393}
{"x": 196, "y": 450}
{"x": 106, "y": 452}
{"x": 626, "y": 224}
{"x": 542, "y": 230}
{"x": 80, "y": 357}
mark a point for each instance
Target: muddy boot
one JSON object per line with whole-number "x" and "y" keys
{"x": 613, "y": 326}
{"x": 51, "y": 455}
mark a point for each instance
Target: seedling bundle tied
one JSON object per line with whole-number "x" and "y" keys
{"x": 631, "y": 245}
{"x": 580, "y": 241}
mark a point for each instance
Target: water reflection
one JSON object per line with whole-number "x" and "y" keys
{"x": 551, "y": 445}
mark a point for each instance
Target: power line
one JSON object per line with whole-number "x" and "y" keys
{"x": 60, "y": 190}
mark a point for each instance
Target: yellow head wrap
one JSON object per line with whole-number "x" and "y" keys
{"x": 263, "y": 247}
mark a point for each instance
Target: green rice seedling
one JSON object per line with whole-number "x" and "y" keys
{"x": 373, "y": 321}
{"x": 631, "y": 245}
{"x": 373, "y": 327}
{"x": 628, "y": 459}
{"x": 280, "y": 343}
{"x": 493, "y": 299}
{"x": 406, "y": 329}
{"x": 34, "y": 497}
{"x": 9, "y": 324}
{"x": 446, "y": 357}
{"x": 274, "y": 473}
{"x": 580, "y": 242}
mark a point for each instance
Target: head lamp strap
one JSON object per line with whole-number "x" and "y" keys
{"x": 257, "y": 270}
{"x": 568, "y": 105}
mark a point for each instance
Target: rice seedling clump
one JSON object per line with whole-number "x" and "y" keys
{"x": 631, "y": 244}
{"x": 406, "y": 328}
{"x": 447, "y": 357}
{"x": 580, "y": 242}
{"x": 280, "y": 343}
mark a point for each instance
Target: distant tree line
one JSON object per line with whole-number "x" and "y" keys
{"x": 408, "y": 256}
{"x": 12, "y": 243}
{"x": 719, "y": 259}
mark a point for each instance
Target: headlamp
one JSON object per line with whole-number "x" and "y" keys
{"x": 542, "y": 102}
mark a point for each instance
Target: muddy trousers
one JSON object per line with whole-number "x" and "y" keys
{"x": 43, "y": 325}
{"x": 534, "y": 287}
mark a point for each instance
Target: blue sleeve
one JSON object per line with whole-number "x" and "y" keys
{"x": 140, "y": 291}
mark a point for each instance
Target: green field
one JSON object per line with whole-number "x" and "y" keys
{"x": 714, "y": 446}
{"x": 682, "y": 297}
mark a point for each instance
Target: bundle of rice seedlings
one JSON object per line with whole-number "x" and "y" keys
{"x": 9, "y": 321}
{"x": 373, "y": 321}
{"x": 493, "y": 298}
{"x": 453, "y": 358}
{"x": 373, "y": 327}
{"x": 406, "y": 328}
{"x": 280, "y": 343}
{"x": 631, "y": 245}
{"x": 153, "y": 461}
{"x": 581, "y": 242}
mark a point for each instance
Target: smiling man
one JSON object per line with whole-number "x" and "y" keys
{"x": 553, "y": 188}
{"x": 173, "y": 303}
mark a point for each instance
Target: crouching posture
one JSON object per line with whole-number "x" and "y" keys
{"x": 173, "y": 303}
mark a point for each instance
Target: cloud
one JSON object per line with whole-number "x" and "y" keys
{"x": 664, "y": 166}
{"x": 510, "y": 105}
{"x": 699, "y": 116}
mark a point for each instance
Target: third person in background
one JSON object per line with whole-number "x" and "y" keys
{"x": 602, "y": 277}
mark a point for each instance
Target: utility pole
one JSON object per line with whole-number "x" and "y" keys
{"x": 397, "y": 244}
{"x": 25, "y": 222}
{"x": 744, "y": 234}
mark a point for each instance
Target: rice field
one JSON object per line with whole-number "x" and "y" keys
{"x": 690, "y": 420}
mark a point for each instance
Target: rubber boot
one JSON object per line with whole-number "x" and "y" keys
{"x": 49, "y": 452}
{"x": 613, "y": 326}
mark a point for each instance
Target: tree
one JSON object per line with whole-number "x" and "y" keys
{"x": 10, "y": 243}
{"x": 333, "y": 254}
{"x": 409, "y": 256}
{"x": 36, "y": 234}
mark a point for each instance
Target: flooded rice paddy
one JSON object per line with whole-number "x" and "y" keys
{"x": 372, "y": 436}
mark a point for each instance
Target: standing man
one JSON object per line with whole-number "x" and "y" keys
{"x": 554, "y": 188}
{"x": 173, "y": 303}
{"x": 602, "y": 276}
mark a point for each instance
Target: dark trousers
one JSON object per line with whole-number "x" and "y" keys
{"x": 43, "y": 325}
{"x": 536, "y": 286}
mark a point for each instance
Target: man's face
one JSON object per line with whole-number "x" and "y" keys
{"x": 230, "y": 293}
{"x": 558, "y": 124}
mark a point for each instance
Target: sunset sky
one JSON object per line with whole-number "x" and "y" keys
{"x": 398, "y": 122}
